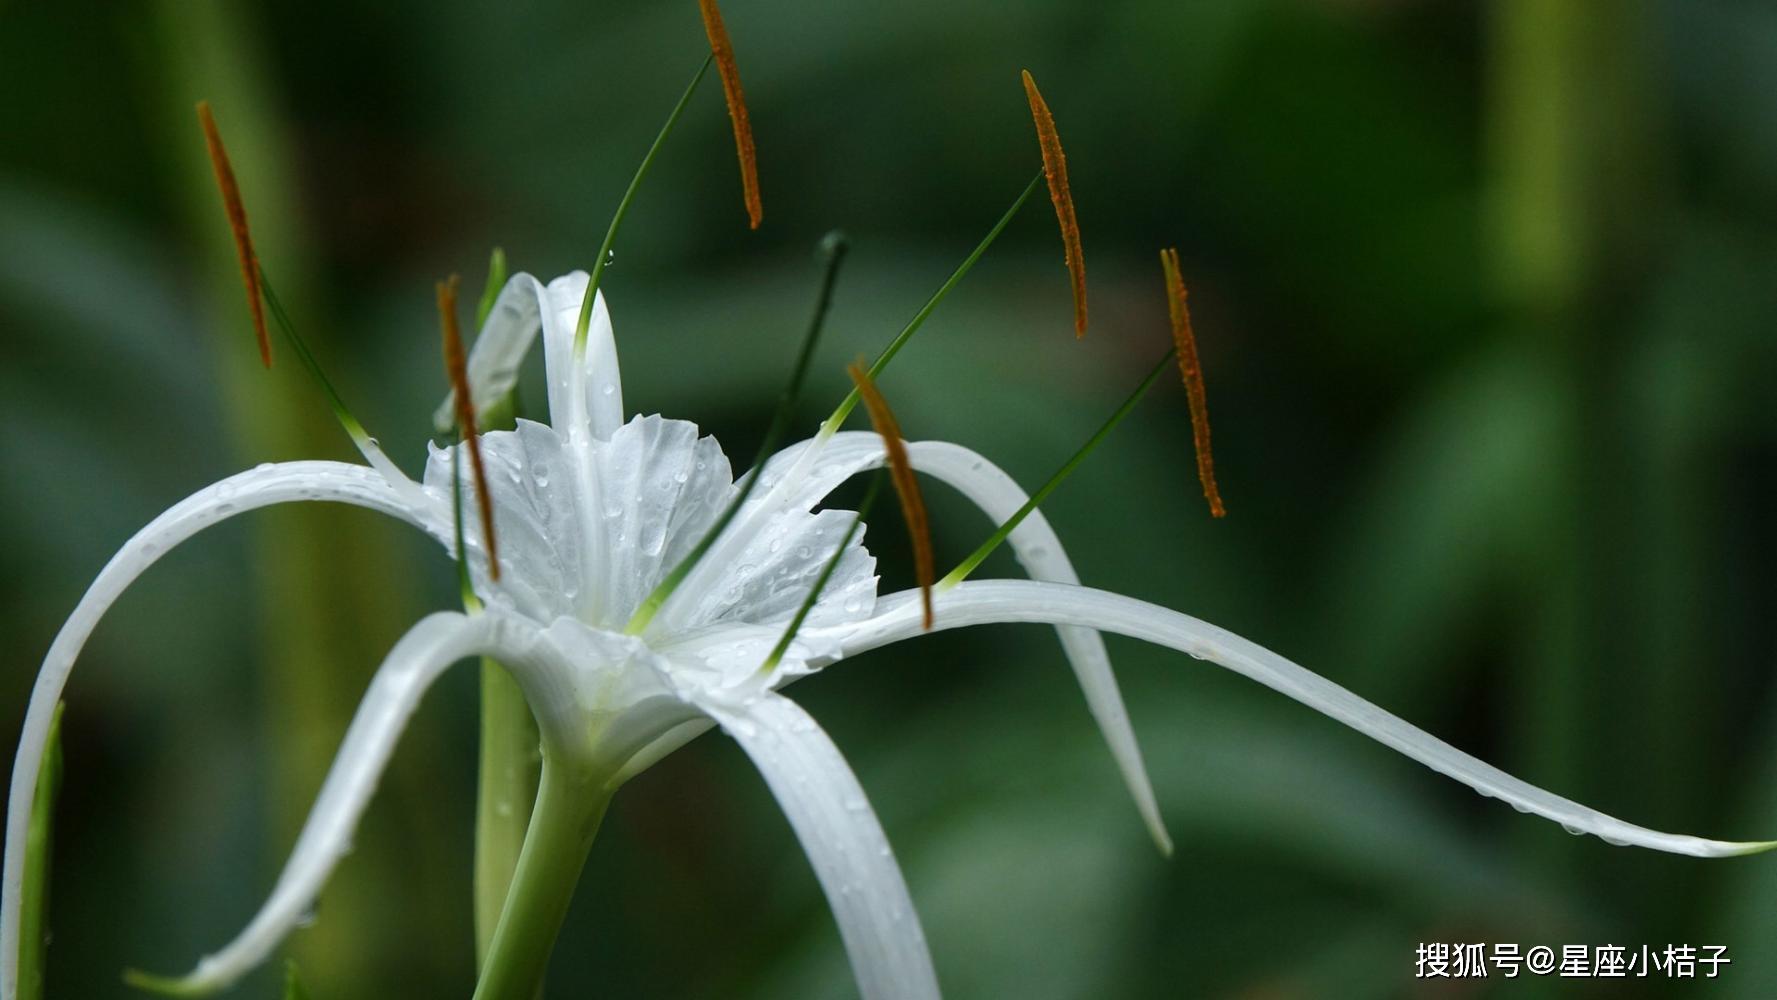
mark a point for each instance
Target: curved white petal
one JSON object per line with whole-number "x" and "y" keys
{"x": 427, "y": 649}
{"x": 794, "y": 479}
{"x": 1039, "y": 551}
{"x": 845, "y": 844}
{"x": 993, "y": 601}
{"x": 260, "y": 487}
{"x": 536, "y": 522}
{"x": 523, "y": 307}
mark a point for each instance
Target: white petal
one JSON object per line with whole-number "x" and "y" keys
{"x": 663, "y": 486}
{"x": 845, "y": 844}
{"x": 795, "y": 479}
{"x": 1039, "y": 551}
{"x": 590, "y": 393}
{"x": 523, "y": 307}
{"x": 993, "y": 601}
{"x": 535, "y": 521}
{"x": 499, "y": 349}
{"x": 426, "y": 650}
{"x": 266, "y": 485}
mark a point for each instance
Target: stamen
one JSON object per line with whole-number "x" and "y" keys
{"x": 1185, "y": 343}
{"x": 723, "y": 50}
{"x": 353, "y": 428}
{"x": 1055, "y": 169}
{"x": 850, "y": 402}
{"x": 832, "y": 248}
{"x": 820, "y": 583}
{"x": 1004, "y": 531}
{"x": 629, "y": 194}
{"x": 913, "y": 508}
{"x": 457, "y": 369}
{"x": 237, "y": 224}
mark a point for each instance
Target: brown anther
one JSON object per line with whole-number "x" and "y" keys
{"x": 1055, "y": 171}
{"x": 456, "y": 366}
{"x": 737, "y": 108}
{"x": 237, "y": 223}
{"x": 913, "y": 508}
{"x": 1192, "y": 371}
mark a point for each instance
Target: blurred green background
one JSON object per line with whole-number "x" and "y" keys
{"x": 1484, "y": 295}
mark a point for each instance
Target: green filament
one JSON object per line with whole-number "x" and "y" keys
{"x": 850, "y": 402}
{"x": 604, "y": 254}
{"x": 496, "y": 280}
{"x": 975, "y": 558}
{"x": 832, "y": 247}
{"x": 353, "y": 428}
{"x": 820, "y": 583}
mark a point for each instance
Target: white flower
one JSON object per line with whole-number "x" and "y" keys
{"x": 591, "y": 512}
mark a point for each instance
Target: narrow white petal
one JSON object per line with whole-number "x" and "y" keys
{"x": 845, "y": 844}
{"x": 426, "y": 650}
{"x": 266, "y": 485}
{"x": 994, "y": 601}
{"x": 525, "y": 306}
{"x": 499, "y": 349}
{"x": 1039, "y": 551}
{"x": 590, "y": 393}
{"x": 796, "y": 479}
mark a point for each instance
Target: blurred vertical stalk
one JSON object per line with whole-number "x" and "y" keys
{"x": 327, "y": 592}
{"x": 1540, "y": 257}
{"x": 1572, "y": 211}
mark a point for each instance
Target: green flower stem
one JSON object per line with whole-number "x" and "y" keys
{"x": 508, "y": 787}
{"x": 570, "y": 806}
{"x": 33, "y": 916}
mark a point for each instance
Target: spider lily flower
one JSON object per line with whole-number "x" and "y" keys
{"x": 591, "y": 511}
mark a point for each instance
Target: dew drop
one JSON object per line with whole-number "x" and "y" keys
{"x": 803, "y": 552}
{"x": 608, "y": 389}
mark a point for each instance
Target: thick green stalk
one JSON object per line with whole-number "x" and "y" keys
{"x": 507, "y": 784}
{"x": 34, "y": 914}
{"x": 508, "y": 787}
{"x": 570, "y": 806}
